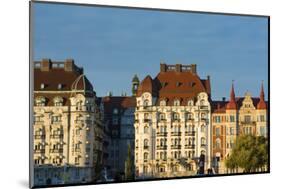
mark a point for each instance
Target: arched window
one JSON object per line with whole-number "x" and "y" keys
{"x": 145, "y": 156}
{"x": 162, "y": 142}
{"x": 145, "y": 103}
{"x": 176, "y": 116}
{"x": 189, "y": 115}
{"x": 79, "y": 105}
{"x": 190, "y": 103}
{"x": 176, "y": 102}
{"x": 202, "y": 102}
{"x": 203, "y": 152}
{"x": 218, "y": 143}
{"x": 163, "y": 103}
{"x": 145, "y": 143}
{"x": 203, "y": 128}
{"x": 145, "y": 129}
{"x": 162, "y": 116}
{"x": 203, "y": 141}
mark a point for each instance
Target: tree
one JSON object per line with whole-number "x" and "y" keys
{"x": 129, "y": 165}
{"x": 249, "y": 153}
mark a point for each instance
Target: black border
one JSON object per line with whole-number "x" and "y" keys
{"x": 135, "y": 8}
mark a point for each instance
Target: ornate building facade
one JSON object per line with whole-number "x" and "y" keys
{"x": 239, "y": 116}
{"x": 67, "y": 129}
{"x": 172, "y": 123}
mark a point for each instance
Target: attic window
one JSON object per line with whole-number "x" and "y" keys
{"x": 42, "y": 86}
{"x": 163, "y": 84}
{"x": 59, "y": 86}
{"x": 178, "y": 84}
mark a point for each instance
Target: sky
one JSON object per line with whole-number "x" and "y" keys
{"x": 114, "y": 44}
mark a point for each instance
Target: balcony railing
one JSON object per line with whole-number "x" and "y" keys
{"x": 161, "y": 133}
{"x": 146, "y": 147}
{"x": 190, "y": 133}
{"x": 60, "y": 150}
{"x": 176, "y": 120}
{"x": 203, "y": 107}
{"x": 39, "y": 136}
{"x": 176, "y": 133}
{"x": 146, "y": 120}
{"x": 163, "y": 120}
{"x": 189, "y": 146}
{"x": 57, "y": 122}
{"x": 57, "y": 136}
{"x": 248, "y": 122}
{"x": 164, "y": 147}
{"x": 38, "y": 151}
{"x": 176, "y": 146}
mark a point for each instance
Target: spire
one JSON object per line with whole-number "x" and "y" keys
{"x": 232, "y": 93}
{"x": 261, "y": 104}
{"x": 231, "y": 104}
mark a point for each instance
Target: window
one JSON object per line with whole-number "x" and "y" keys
{"x": 56, "y": 119}
{"x": 163, "y": 103}
{"x": 42, "y": 86}
{"x": 115, "y": 111}
{"x": 76, "y": 160}
{"x": 190, "y": 103}
{"x": 232, "y": 118}
{"x": 115, "y": 121}
{"x": 59, "y": 86}
{"x": 203, "y": 116}
{"x": 176, "y": 116}
{"x": 40, "y": 101}
{"x": 58, "y": 101}
{"x": 262, "y": 118}
{"x": 145, "y": 156}
{"x": 217, "y": 119}
{"x": 217, "y": 131}
{"x": 145, "y": 169}
{"x": 203, "y": 128}
{"x": 203, "y": 141}
{"x": 145, "y": 103}
{"x": 162, "y": 116}
{"x": 201, "y": 102}
{"x": 231, "y": 129}
{"x": 145, "y": 129}
{"x": 247, "y": 119}
{"x": 203, "y": 152}
{"x": 218, "y": 143}
{"x": 162, "y": 142}
{"x": 176, "y": 102}
{"x": 262, "y": 131}
{"x": 145, "y": 143}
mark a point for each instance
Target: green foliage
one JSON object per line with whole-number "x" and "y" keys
{"x": 129, "y": 165}
{"x": 250, "y": 153}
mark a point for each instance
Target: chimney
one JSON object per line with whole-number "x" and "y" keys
{"x": 208, "y": 77}
{"x": 223, "y": 99}
{"x": 193, "y": 68}
{"x": 178, "y": 67}
{"x": 163, "y": 67}
{"x": 45, "y": 65}
{"x": 69, "y": 65}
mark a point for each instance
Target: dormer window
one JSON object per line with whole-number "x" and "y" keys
{"x": 178, "y": 84}
{"x": 145, "y": 103}
{"x": 59, "y": 86}
{"x": 40, "y": 101}
{"x": 163, "y": 103}
{"x": 58, "y": 101}
{"x": 176, "y": 102}
{"x": 42, "y": 86}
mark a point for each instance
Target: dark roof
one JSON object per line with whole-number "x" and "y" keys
{"x": 119, "y": 102}
{"x": 173, "y": 84}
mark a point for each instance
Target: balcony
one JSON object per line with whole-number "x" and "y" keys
{"x": 60, "y": 150}
{"x": 203, "y": 107}
{"x": 57, "y": 122}
{"x": 162, "y": 120}
{"x": 189, "y": 133}
{"x": 146, "y": 147}
{"x": 164, "y": 147}
{"x": 203, "y": 145}
{"x": 189, "y": 146}
{"x": 146, "y": 120}
{"x": 39, "y": 136}
{"x": 39, "y": 151}
{"x": 176, "y": 120}
{"x": 163, "y": 134}
{"x": 57, "y": 136}
{"x": 176, "y": 147}
{"x": 175, "y": 133}
{"x": 248, "y": 122}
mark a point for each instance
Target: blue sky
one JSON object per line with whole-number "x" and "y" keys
{"x": 113, "y": 44}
